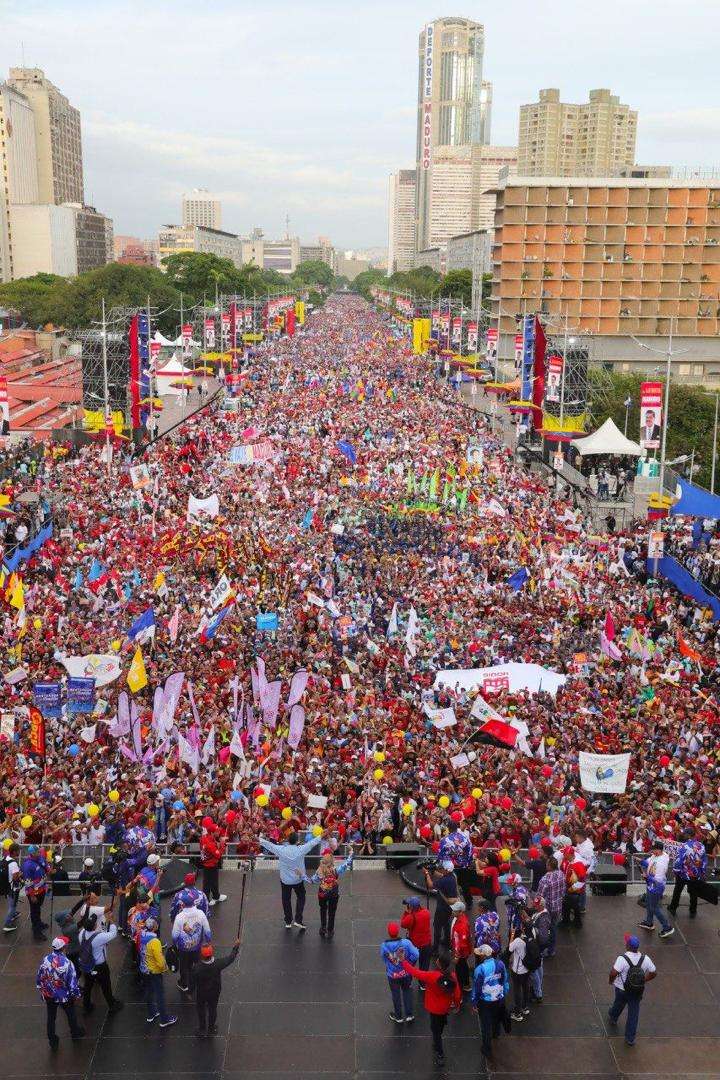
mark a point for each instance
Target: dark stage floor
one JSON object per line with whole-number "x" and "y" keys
{"x": 296, "y": 1007}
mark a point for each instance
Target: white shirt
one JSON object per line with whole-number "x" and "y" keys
{"x": 585, "y": 853}
{"x": 622, "y": 967}
{"x": 658, "y": 866}
{"x": 517, "y": 955}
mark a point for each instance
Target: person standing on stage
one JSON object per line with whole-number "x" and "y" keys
{"x": 291, "y": 857}
{"x": 326, "y": 878}
{"x": 58, "y": 985}
{"x": 212, "y": 850}
{"x": 206, "y": 980}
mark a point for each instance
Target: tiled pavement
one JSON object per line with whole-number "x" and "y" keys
{"x": 296, "y": 1007}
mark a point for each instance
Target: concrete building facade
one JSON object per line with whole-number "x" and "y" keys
{"x": 490, "y": 162}
{"x": 323, "y": 251}
{"x": 18, "y": 167}
{"x": 177, "y": 238}
{"x": 93, "y": 238}
{"x": 596, "y": 138}
{"x": 471, "y": 251}
{"x": 57, "y": 137}
{"x": 282, "y": 255}
{"x": 617, "y": 256}
{"x": 44, "y": 240}
{"x": 401, "y": 220}
{"x": 201, "y": 208}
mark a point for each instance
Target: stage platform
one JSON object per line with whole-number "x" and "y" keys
{"x": 296, "y": 1007}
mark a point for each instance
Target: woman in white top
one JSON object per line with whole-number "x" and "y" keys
{"x": 520, "y": 979}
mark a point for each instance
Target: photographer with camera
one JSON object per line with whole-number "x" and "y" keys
{"x": 440, "y": 878}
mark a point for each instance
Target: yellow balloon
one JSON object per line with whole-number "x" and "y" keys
{"x": 93, "y": 809}
{"x": 262, "y": 800}
{"x": 26, "y": 821}
{"x": 379, "y": 755}
{"x": 37, "y": 623}
{"x": 551, "y": 740}
{"x": 407, "y": 809}
{"x": 547, "y": 819}
{"x": 444, "y": 802}
{"x": 505, "y": 854}
{"x": 286, "y": 813}
{"x": 387, "y": 840}
{"x": 477, "y": 793}
{"x": 115, "y": 645}
{"x": 114, "y": 796}
{"x": 378, "y": 774}
{"x": 7, "y": 842}
{"x": 317, "y": 830}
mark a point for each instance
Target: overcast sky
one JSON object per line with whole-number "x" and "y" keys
{"x": 305, "y": 109}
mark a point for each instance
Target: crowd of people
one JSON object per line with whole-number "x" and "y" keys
{"x": 283, "y": 643}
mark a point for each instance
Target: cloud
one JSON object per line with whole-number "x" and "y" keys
{"x": 684, "y": 125}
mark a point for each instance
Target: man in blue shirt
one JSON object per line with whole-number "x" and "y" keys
{"x": 489, "y": 990}
{"x": 690, "y": 866}
{"x": 58, "y": 985}
{"x": 393, "y": 951}
{"x": 291, "y": 857}
{"x": 35, "y": 875}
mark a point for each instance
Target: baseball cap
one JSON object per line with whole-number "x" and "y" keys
{"x": 447, "y": 864}
{"x": 457, "y": 906}
{"x": 206, "y": 951}
{"x": 190, "y": 879}
{"x": 59, "y": 943}
{"x": 632, "y": 942}
{"x": 88, "y": 862}
{"x": 483, "y": 950}
{"x": 153, "y": 859}
{"x": 393, "y": 929}
{"x": 412, "y": 902}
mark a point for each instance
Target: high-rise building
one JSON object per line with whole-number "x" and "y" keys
{"x": 44, "y": 240}
{"x": 559, "y": 139}
{"x": 401, "y": 220}
{"x": 93, "y": 238}
{"x": 199, "y": 207}
{"x": 490, "y": 161}
{"x": 173, "y": 239}
{"x": 253, "y": 249}
{"x": 18, "y": 166}
{"x": 621, "y": 259}
{"x": 323, "y": 251}
{"x": 57, "y": 137}
{"x": 282, "y": 255}
{"x": 453, "y": 117}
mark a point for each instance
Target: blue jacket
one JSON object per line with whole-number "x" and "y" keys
{"x": 490, "y": 981}
{"x": 393, "y": 952}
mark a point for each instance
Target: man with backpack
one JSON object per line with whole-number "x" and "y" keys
{"x": 489, "y": 990}
{"x": 10, "y": 886}
{"x": 93, "y": 964}
{"x": 629, "y": 975}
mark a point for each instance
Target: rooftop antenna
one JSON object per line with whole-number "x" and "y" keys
{"x": 287, "y": 226}
{"x": 22, "y": 53}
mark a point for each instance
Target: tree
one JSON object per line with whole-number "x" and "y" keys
{"x": 314, "y": 272}
{"x": 79, "y": 302}
{"x": 198, "y": 274}
{"x": 458, "y": 283}
{"x": 364, "y": 282}
{"x": 34, "y": 298}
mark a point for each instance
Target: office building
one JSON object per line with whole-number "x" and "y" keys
{"x": 282, "y": 255}
{"x": 177, "y": 238}
{"x": 618, "y": 257}
{"x": 44, "y": 240}
{"x": 349, "y": 265}
{"x": 401, "y": 220}
{"x": 490, "y": 162}
{"x": 93, "y": 238}
{"x": 253, "y": 249}
{"x": 323, "y": 251}
{"x": 559, "y": 139}
{"x": 434, "y": 258}
{"x": 57, "y": 137}
{"x": 201, "y": 208}
{"x": 471, "y": 251}
{"x": 453, "y": 116}
{"x": 18, "y": 167}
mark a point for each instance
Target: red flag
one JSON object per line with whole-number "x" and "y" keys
{"x": 37, "y": 732}
{"x": 609, "y": 627}
{"x": 498, "y": 729}
{"x": 686, "y": 650}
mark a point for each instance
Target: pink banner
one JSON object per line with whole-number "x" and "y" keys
{"x": 297, "y": 726}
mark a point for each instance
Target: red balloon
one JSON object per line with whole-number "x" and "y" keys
{"x": 619, "y": 858}
{"x": 506, "y": 802}
{"x": 665, "y": 761}
{"x": 426, "y": 832}
{"x": 546, "y": 771}
{"x": 580, "y": 803}
{"x": 456, "y": 816}
{"x": 230, "y": 817}
{"x": 206, "y": 822}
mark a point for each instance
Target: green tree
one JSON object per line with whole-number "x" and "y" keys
{"x": 197, "y": 274}
{"x": 363, "y": 283}
{"x": 422, "y": 280}
{"x": 79, "y": 299}
{"x": 458, "y": 283}
{"x": 314, "y": 272}
{"x": 34, "y": 298}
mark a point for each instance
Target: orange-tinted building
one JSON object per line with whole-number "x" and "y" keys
{"x": 44, "y": 382}
{"x": 618, "y": 256}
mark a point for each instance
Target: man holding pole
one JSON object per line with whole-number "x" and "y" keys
{"x": 206, "y": 980}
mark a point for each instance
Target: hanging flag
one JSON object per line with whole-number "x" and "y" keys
{"x": 297, "y": 726}
{"x": 518, "y": 579}
{"x": 188, "y": 754}
{"x": 392, "y": 627}
{"x": 17, "y": 597}
{"x": 174, "y": 624}
{"x": 410, "y": 632}
{"x": 208, "y": 751}
{"x": 348, "y": 450}
{"x": 143, "y": 628}
{"x": 608, "y": 647}
{"x": 686, "y": 650}
{"x": 497, "y": 731}
{"x": 209, "y": 627}
{"x": 609, "y": 627}
{"x": 37, "y": 732}
{"x": 137, "y": 676}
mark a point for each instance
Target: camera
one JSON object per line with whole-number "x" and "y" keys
{"x": 431, "y": 865}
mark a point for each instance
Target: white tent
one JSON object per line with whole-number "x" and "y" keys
{"x": 608, "y": 439}
{"x": 170, "y": 372}
{"x": 168, "y": 344}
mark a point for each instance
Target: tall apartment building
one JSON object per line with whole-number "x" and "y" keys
{"x": 201, "y": 208}
{"x": 93, "y": 238}
{"x": 453, "y": 116}
{"x": 177, "y": 238}
{"x": 57, "y": 137}
{"x": 18, "y": 167}
{"x": 282, "y": 255}
{"x": 489, "y": 162}
{"x": 617, "y": 256}
{"x": 44, "y": 240}
{"x": 560, "y": 139}
{"x": 401, "y": 220}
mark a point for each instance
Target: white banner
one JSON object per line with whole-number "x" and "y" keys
{"x": 605, "y": 773}
{"x": 530, "y": 677}
{"x": 103, "y": 668}
{"x": 220, "y": 594}
{"x": 200, "y": 510}
{"x": 440, "y": 718}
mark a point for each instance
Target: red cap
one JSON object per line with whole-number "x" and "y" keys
{"x": 393, "y": 929}
{"x": 533, "y": 852}
{"x": 206, "y": 951}
{"x": 190, "y": 879}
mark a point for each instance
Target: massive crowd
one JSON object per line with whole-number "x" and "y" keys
{"x": 385, "y": 554}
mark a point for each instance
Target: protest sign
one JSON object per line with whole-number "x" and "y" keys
{"x": 46, "y": 698}
{"x": 604, "y": 772}
{"x": 80, "y": 695}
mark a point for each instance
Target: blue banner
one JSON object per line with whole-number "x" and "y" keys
{"x": 46, "y": 698}
{"x": 528, "y": 357}
{"x": 80, "y": 695}
{"x": 22, "y": 554}
{"x": 267, "y": 621}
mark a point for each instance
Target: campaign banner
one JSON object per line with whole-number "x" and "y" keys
{"x": 140, "y": 477}
{"x": 209, "y": 334}
{"x": 528, "y": 357}
{"x": 553, "y": 380}
{"x": 456, "y": 332}
{"x": 656, "y": 545}
{"x": 4, "y": 407}
{"x": 427, "y": 83}
{"x": 241, "y": 455}
{"x": 518, "y": 353}
{"x": 604, "y": 773}
{"x": 225, "y": 331}
{"x": 7, "y": 726}
{"x": 201, "y": 510}
{"x": 104, "y": 668}
{"x": 472, "y": 337}
{"x": 37, "y": 732}
{"x": 80, "y": 695}
{"x": 186, "y": 335}
{"x": 491, "y": 349}
{"x": 651, "y": 414}
{"x": 266, "y": 621}
{"x": 46, "y": 698}
{"x": 264, "y": 450}
{"x": 496, "y": 684}
{"x": 532, "y": 677}
{"x": 220, "y": 594}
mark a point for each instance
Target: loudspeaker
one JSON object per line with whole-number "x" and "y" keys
{"x": 614, "y": 882}
{"x": 173, "y": 876}
{"x": 399, "y": 855}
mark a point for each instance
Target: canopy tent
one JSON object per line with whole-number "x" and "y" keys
{"x": 170, "y": 373}
{"x": 168, "y": 344}
{"x": 695, "y": 501}
{"x": 608, "y": 439}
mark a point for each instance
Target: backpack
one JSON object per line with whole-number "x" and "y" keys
{"x": 635, "y": 978}
{"x": 533, "y": 953}
{"x": 86, "y": 961}
{"x": 4, "y": 878}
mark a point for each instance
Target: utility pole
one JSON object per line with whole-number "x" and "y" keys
{"x": 151, "y": 363}
{"x": 714, "y": 450}
{"x": 106, "y": 390}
